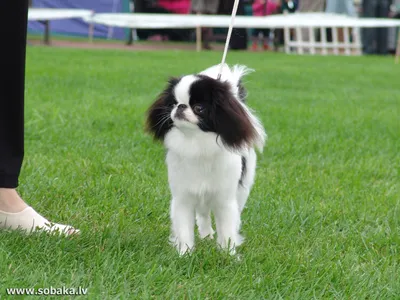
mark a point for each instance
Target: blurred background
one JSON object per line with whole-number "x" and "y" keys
{"x": 374, "y": 40}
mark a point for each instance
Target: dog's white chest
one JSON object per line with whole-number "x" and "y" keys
{"x": 202, "y": 176}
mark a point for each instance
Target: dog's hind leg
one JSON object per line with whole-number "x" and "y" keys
{"x": 247, "y": 178}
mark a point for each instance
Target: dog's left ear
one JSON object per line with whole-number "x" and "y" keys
{"x": 159, "y": 121}
{"x": 233, "y": 122}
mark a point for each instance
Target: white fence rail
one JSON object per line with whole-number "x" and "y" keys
{"x": 48, "y": 14}
{"x": 345, "y": 30}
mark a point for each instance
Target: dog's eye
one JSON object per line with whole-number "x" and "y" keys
{"x": 171, "y": 105}
{"x": 198, "y": 109}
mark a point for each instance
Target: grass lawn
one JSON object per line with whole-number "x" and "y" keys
{"x": 323, "y": 219}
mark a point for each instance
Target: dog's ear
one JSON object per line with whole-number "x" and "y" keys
{"x": 232, "y": 121}
{"x": 159, "y": 121}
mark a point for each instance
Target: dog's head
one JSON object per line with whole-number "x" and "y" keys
{"x": 200, "y": 103}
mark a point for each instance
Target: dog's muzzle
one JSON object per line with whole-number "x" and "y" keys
{"x": 180, "y": 112}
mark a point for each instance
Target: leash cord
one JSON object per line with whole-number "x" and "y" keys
{"x": 228, "y": 37}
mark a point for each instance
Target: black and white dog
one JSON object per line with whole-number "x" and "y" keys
{"x": 210, "y": 136}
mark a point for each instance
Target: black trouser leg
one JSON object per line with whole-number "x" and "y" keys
{"x": 383, "y": 33}
{"x": 13, "y": 27}
{"x": 369, "y": 34}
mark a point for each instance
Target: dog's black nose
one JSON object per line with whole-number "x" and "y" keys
{"x": 182, "y": 106}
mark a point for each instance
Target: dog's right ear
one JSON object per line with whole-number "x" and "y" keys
{"x": 238, "y": 128}
{"x": 159, "y": 121}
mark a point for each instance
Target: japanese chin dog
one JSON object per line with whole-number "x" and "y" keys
{"x": 210, "y": 136}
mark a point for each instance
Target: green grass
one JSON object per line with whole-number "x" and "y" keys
{"x": 323, "y": 219}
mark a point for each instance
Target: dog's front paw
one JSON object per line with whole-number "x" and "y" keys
{"x": 231, "y": 249}
{"x": 206, "y": 233}
{"x": 182, "y": 247}
{"x": 230, "y": 244}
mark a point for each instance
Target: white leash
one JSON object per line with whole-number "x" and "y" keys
{"x": 228, "y": 37}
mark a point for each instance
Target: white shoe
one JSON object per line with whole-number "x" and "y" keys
{"x": 30, "y": 221}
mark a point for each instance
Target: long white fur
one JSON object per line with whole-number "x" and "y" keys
{"x": 203, "y": 174}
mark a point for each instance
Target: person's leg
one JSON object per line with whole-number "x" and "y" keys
{"x": 255, "y": 39}
{"x": 14, "y": 212}
{"x": 383, "y": 33}
{"x": 206, "y": 34}
{"x": 266, "y": 33}
{"x": 369, "y": 34}
{"x": 13, "y": 26}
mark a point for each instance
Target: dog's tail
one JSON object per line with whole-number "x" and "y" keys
{"x": 238, "y": 72}
{"x": 233, "y": 75}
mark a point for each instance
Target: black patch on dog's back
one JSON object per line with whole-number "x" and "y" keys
{"x": 242, "y": 92}
{"x": 244, "y": 166}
